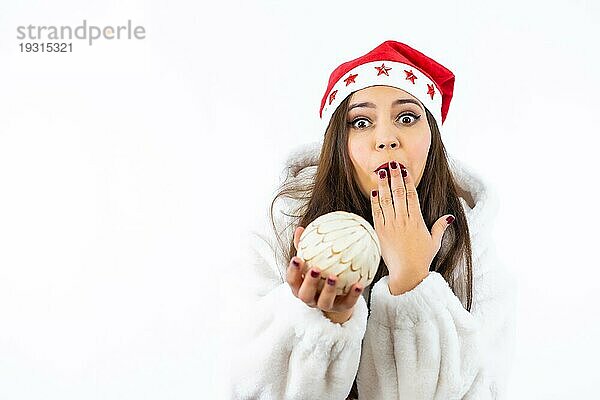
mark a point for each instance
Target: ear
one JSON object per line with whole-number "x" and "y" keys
{"x": 297, "y": 234}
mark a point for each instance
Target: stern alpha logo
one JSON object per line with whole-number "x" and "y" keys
{"x": 81, "y": 32}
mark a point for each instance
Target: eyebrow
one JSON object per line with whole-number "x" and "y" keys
{"x": 371, "y": 105}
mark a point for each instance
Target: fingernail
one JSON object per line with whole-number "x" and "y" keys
{"x": 357, "y": 290}
{"x": 330, "y": 282}
{"x": 404, "y": 173}
{"x": 382, "y": 173}
{"x": 450, "y": 219}
{"x": 314, "y": 273}
{"x": 295, "y": 263}
{"x": 394, "y": 165}
{"x": 402, "y": 166}
{"x": 374, "y": 193}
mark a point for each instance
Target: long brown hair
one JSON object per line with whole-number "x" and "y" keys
{"x": 334, "y": 188}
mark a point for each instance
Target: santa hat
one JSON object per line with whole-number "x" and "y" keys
{"x": 392, "y": 64}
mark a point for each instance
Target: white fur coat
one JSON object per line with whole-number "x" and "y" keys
{"x": 422, "y": 344}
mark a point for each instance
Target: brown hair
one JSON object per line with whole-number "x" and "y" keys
{"x": 334, "y": 188}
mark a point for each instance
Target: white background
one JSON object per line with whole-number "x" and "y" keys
{"x": 131, "y": 170}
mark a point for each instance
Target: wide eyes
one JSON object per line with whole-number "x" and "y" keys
{"x": 406, "y": 119}
{"x": 359, "y": 123}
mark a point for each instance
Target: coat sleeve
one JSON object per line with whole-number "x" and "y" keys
{"x": 286, "y": 349}
{"x": 424, "y": 344}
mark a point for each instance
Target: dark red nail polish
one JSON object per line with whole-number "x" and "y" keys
{"x": 314, "y": 273}
{"x": 394, "y": 165}
{"x": 402, "y": 166}
{"x": 357, "y": 290}
{"x": 330, "y": 282}
{"x": 382, "y": 173}
{"x": 404, "y": 173}
{"x": 296, "y": 263}
{"x": 450, "y": 219}
{"x": 374, "y": 193}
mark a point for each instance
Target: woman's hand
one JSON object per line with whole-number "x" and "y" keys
{"x": 337, "y": 308}
{"x": 407, "y": 247}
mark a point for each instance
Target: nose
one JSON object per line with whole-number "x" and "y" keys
{"x": 391, "y": 143}
{"x": 386, "y": 138}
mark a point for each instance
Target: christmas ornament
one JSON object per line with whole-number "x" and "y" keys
{"x": 342, "y": 244}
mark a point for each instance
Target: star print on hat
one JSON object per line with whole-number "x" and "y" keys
{"x": 392, "y": 64}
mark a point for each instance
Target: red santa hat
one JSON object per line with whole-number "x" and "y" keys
{"x": 392, "y": 64}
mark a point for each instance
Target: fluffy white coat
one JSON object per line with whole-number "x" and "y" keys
{"x": 422, "y": 344}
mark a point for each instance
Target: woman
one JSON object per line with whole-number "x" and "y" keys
{"x": 437, "y": 322}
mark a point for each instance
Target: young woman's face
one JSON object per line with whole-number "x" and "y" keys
{"x": 385, "y": 124}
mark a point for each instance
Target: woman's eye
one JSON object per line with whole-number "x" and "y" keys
{"x": 406, "y": 119}
{"x": 409, "y": 118}
{"x": 359, "y": 123}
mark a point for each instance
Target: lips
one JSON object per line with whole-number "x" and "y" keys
{"x": 384, "y": 165}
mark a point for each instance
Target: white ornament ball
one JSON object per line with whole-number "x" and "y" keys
{"x": 343, "y": 244}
